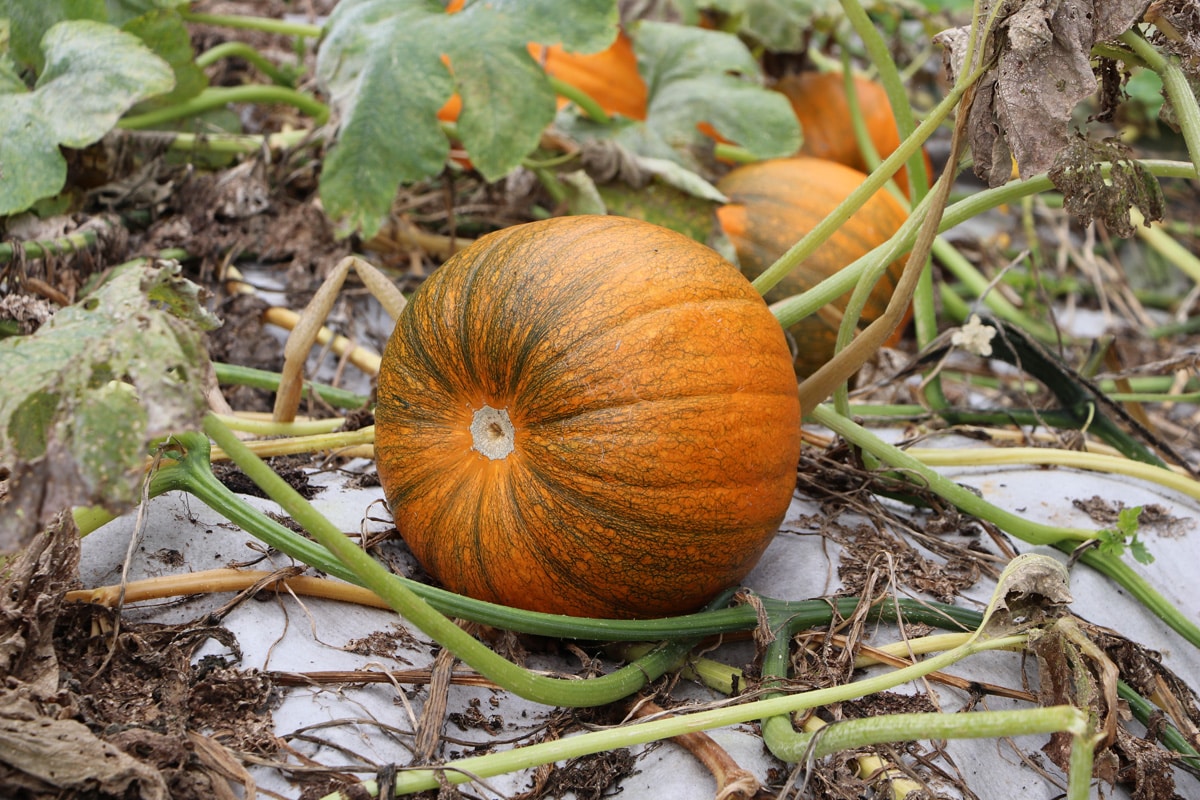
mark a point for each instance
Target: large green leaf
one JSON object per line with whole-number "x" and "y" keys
{"x": 381, "y": 62}
{"x": 93, "y": 73}
{"x": 696, "y": 76}
{"x": 87, "y": 393}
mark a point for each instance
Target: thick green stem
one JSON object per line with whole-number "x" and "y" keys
{"x": 64, "y": 245}
{"x": 853, "y": 733}
{"x": 263, "y": 379}
{"x": 247, "y": 53}
{"x": 255, "y": 24}
{"x": 580, "y": 98}
{"x": 1178, "y": 90}
{"x": 220, "y": 96}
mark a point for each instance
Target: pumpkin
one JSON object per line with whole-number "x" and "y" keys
{"x": 819, "y": 100}
{"x": 590, "y": 415}
{"x": 773, "y": 204}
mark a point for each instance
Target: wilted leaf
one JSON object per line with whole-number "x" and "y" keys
{"x": 1088, "y": 194}
{"x": 93, "y": 74}
{"x": 381, "y": 62}
{"x": 98, "y": 382}
{"x": 1022, "y": 107}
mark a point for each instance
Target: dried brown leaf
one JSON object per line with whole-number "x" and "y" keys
{"x": 1042, "y": 70}
{"x": 1088, "y": 194}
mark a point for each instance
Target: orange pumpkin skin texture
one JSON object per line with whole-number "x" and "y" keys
{"x": 773, "y": 204}
{"x": 820, "y": 103}
{"x": 642, "y": 403}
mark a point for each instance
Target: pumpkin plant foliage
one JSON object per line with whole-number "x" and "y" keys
{"x": 98, "y": 382}
{"x": 92, "y": 74}
{"x": 696, "y": 76}
{"x": 381, "y": 63}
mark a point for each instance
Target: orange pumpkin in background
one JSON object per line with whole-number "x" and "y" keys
{"x": 588, "y": 415}
{"x": 823, "y": 110}
{"x": 773, "y": 204}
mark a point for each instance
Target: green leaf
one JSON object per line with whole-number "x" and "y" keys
{"x": 100, "y": 381}
{"x": 165, "y": 32}
{"x": 121, "y": 12}
{"x": 696, "y": 75}
{"x": 1127, "y": 520}
{"x": 93, "y": 74}
{"x": 381, "y": 63}
{"x": 29, "y": 22}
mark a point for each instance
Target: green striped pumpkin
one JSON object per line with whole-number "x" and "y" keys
{"x": 587, "y": 415}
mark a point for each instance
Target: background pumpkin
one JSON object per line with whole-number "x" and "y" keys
{"x": 638, "y": 404}
{"x": 820, "y": 102}
{"x": 773, "y": 204}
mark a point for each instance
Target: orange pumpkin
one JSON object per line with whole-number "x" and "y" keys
{"x": 589, "y": 415}
{"x": 773, "y": 204}
{"x": 819, "y": 100}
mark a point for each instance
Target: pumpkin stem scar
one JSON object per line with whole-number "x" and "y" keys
{"x": 492, "y": 432}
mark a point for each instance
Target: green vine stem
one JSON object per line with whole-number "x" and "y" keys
{"x": 1050, "y": 719}
{"x": 893, "y": 85}
{"x": 247, "y": 53}
{"x": 370, "y": 573}
{"x": 42, "y": 248}
{"x": 923, "y": 307}
{"x": 1046, "y": 456}
{"x": 191, "y": 473}
{"x": 223, "y": 143}
{"x": 236, "y": 375}
{"x": 1028, "y": 531}
{"x": 1175, "y": 83}
{"x": 582, "y": 99}
{"x": 220, "y": 96}
{"x": 255, "y": 24}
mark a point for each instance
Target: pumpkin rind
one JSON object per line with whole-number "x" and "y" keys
{"x": 773, "y": 204}
{"x": 655, "y": 420}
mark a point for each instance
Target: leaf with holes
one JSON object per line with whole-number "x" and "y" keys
{"x": 99, "y": 381}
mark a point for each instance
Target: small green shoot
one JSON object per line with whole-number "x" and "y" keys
{"x": 1115, "y": 541}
